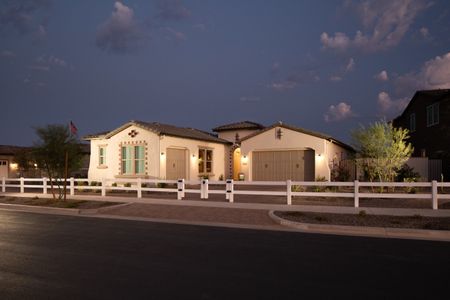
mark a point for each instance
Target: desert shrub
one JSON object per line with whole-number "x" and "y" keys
{"x": 406, "y": 172}
{"x": 127, "y": 184}
{"x": 221, "y": 177}
{"x": 340, "y": 173}
{"x": 114, "y": 184}
{"x": 93, "y": 183}
{"x": 298, "y": 188}
{"x": 161, "y": 185}
{"x": 320, "y": 188}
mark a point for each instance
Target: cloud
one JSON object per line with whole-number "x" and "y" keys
{"x": 39, "y": 68}
{"x": 199, "y": 27}
{"x": 172, "y": 10}
{"x": 176, "y": 35}
{"x": 294, "y": 80}
{"x": 20, "y": 16}
{"x": 52, "y": 60}
{"x": 275, "y": 68}
{"x": 335, "y": 78}
{"x": 121, "y": 33}
{"x": 350, "y": 65}
{"x": 382, "y": 76}
{"x": 386, "y": 23}
{"x": 424, "y": 32}
{"x": 434, "y": 74}
{"x": 339, "y": 112}
{"x": 391, "y": 107}
{"x": 250, "y": 99}
{"x": 7, "y": 53}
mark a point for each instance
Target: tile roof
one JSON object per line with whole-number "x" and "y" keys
{"x": 239, "y": 125}
{"x": 301, "y": 130}
{"x": 163, "y": 129}
{"x": 11, "y": 150}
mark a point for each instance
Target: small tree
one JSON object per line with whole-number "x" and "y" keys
{"x": 54, "y": 145}
{"x": 382, "y": 150}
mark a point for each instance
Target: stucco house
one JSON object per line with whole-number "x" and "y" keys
{"x": 243, "y": 150}
{"x": 154, "y": 150}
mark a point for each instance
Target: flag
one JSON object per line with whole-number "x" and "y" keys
{"x": 73, "y": 128}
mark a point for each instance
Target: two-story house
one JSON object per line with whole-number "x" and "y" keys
{"x": 427, "y": 117}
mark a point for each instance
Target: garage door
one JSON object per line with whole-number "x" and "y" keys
{"x": 176, "y": 164}
{"x": 3, "y": 168}
{"x": 283, "y": 165}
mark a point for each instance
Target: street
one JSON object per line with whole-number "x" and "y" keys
{"x": 52, "y": 257}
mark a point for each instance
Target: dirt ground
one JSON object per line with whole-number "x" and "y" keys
{"x": 80, "y": 204}
{"x": 416, "y": 221}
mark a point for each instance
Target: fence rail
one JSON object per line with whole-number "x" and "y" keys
{"x": 289, "y": 189}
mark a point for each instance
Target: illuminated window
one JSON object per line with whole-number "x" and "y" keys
{"x": 205, "y": 160}
{"x": 133, "y": 160}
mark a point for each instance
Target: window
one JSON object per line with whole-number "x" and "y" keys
{"x": 412, "y": 122}
{"x": 433, "y": 114}
{"x": 102, "y": 156}
{"x": 205, "y": 160}
{"x": 133, "y": 160}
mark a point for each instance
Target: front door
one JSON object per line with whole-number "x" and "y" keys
{"x": 3, "y": 168}
{"x": 176, "y": 164}
{"x": 236, "y": 163}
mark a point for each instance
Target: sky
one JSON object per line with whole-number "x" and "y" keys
{"x": 326, "y": 66}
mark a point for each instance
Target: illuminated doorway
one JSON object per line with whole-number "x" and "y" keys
{"x": 236, "y": 163}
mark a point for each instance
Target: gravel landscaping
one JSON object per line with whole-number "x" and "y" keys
{"x": 36, "y": 201}
{"x": 363, "y": 219}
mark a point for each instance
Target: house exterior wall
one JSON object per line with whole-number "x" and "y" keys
{"x": 429, "y": 141}
{"x": 192, "y": 147}
{"x": 290, "y": 140}
{"x": 155, "y": 155}
{"x": 112, "y": 168}
{"x": 230, "y": 135}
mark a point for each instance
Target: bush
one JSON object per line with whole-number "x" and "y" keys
{"x": 127, "y": 184}
{"x": 298, "y": 188}
{"x": 221, "y": 177}
{"x": 340, "y": 173}
{"x": 362, "y": 213}
{"x": 93, "y": 183}
{"x": 320, "y": 188}
{"x": 161, "y": 185}
{"x": 406, "y": 172}
{"x": 114, "y": 184}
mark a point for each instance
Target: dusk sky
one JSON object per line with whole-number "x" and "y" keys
{"x": 326, "y": 66}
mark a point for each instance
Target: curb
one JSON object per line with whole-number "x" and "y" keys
{"x": 384, "y": 232}
{"x": 41, "y": 209}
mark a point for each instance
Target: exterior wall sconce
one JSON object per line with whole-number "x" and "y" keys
{"x": 162, "y": 153}
{"x": 279, "y": 133}
{"x": 193, "y": 155}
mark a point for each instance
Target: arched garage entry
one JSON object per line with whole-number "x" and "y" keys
{"x": 298, "y": 165}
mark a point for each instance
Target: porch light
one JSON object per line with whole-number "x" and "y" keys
{"x": 14, "y": 166}
{"x": 162, "y": 153}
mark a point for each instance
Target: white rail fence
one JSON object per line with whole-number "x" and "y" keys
{"x": 289, "y": 189}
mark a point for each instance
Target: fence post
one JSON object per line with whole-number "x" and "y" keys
{"x": 139, "y": 187}
{"x": 44, "y": 185}
{"x": 3, "y": 184}
{"x": 227, "y": 188}
{"x": 183, "y": 187}
{"x": 205, "y": 188}
{"x": 180, "y": 189}
{"x": 356, "y": 193}
{"x": 103, "y": 187}
{"x": 22, "y": 182}
{"x": 289, "y": 191}
{"x": 230, "y": 189}
{"x": 72, "y": 186}
{"x": 434, "y": 194}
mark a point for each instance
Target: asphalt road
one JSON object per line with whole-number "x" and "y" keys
{"x": 62, "y": 257}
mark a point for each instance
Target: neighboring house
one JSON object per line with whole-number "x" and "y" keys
{"x": 244, "y": 150}
{"x": 9, "y": 166}
{"x": 154, "y": 150}
{"x": 427, "y": 117}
